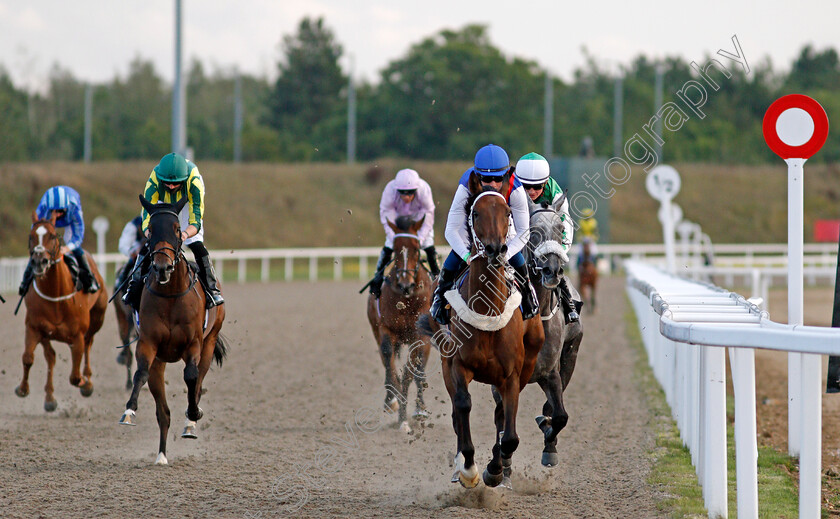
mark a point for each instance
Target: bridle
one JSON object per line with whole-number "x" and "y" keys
{"x": 545, "y": 247}
{"x": 176, "y": 251}
{"x": 53, "y": 256}
{"x": 405, "y": 257}
{"x": 477, "y": 243}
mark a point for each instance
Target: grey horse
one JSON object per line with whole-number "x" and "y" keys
{"x": 556, "y": 360}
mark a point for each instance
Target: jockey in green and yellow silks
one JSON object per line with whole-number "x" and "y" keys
{"x": 171, "y": 180}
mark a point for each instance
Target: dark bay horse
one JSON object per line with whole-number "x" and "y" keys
{"x": 127, "y": 330}
{"x": 557, "y": 358}
{"x": 489, "y": 341}
{"x": 55, "y": 310}
{"x": 393, "y": 316}
{"x": 171, "y": 325}
{"x": 588, "y": 272}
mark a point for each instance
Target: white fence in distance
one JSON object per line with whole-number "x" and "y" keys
{"x": 684, "y": 325}
{"x": 736, "y": 256}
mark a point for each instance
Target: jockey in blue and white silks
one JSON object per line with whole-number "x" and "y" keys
{"x": 67, "y": 204}
{"x": 406, "y": 195}
{"x": 492, "y": 168}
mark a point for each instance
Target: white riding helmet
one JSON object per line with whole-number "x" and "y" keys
{"x": 532, "y": 169}
{"x": 407, "y": 179}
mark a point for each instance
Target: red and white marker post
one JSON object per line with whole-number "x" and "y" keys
{"x": 796, "y": 127}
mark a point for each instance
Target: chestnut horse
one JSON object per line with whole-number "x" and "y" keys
{"x": 171, "y": 324}
{"x": 393, "y": 316}
{"x": 56, "y": 310}
{"x": 588, "y": 272}
{"x": 488, "y": 342}
{"x": 557, "y": 358}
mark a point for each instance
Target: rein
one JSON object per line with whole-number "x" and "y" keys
{"x": 193, "y": 279}
{"x": 416, "y": 267}
{"x": 53, "y": 258}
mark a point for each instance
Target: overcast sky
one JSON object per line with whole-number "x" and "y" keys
{"x": 96, "y": 39}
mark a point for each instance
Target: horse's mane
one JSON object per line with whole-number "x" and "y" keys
{"x": 404, "y": 223}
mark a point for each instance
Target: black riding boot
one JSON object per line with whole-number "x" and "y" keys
{"x": 431, "y": 255}
{"x": 530, "y": 305}
{"x": 569, "y": 306}
{"x": 379, "y": 276}
{"x": 135, "y": 284}
{"x": 89, "y": 283}
{"x": 28, "y": 276}
{"x": 438, "y": 310}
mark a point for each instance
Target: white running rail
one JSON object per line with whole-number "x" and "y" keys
{"x": 683, "y": 323}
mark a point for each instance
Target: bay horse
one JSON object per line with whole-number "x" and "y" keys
{"x": 588, "y": 273}
{"x": 488, "y": 340}
{"x": 556, "y": 360}
{"x": 393, "y": 316}
{"x": 56, "y": 310}
{"x": 127, "y": 329}
{"x": 171, "y": 325}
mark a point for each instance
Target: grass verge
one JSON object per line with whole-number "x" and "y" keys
{"x": 674, "y": 475}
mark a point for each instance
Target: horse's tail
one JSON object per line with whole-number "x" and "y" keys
{"x": 221, "y": 350}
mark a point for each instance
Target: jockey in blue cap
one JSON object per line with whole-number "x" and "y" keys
{"x": 492, "y": 167}
{"x": 67, "y": 204}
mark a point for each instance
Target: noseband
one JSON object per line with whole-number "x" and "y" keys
{"x": 417, "y": 266}
{"x": 53, "y": 256}
{"x": 176, "y": 251}
{"x": 477, "y": 243}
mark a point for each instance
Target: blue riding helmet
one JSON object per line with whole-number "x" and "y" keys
{"x": 491, "y": 161}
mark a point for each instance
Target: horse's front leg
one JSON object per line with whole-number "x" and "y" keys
{"x": 461, "y": 406}
{"x": 510, "y": 401}
{"x": 191, "y": 379}
{"x": 30, "y": 342}
{"x": 494, "y": 473}
{"x": 86, "y": 387}
{"x": 405, "y": 383}
{"x": 419, "y": 373}
{"x": 49, "y": 354}
{"x": 77, "y": 351}
{"x": 145, "y": 355}
{"x": 157, "y": 386}
{"x": 387, "y": 352}
{"x": 552, "y": 385}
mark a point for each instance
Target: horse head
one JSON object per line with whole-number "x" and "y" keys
{"x": 44, "y": 244}
{"x": 407, "y": 248}
{"x": 489, "y": 219}
{"x": 164, "y": 236}
{"x": 546, "y": 231}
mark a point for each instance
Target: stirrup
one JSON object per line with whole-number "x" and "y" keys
{"x": 572, "y": 317}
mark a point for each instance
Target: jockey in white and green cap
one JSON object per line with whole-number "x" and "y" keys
{"x": 533, "y": 172}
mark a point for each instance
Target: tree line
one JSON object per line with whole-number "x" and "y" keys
{"x": 449, "y": 94}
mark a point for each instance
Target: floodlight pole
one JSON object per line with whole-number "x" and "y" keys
{"x": 179, "y": 92}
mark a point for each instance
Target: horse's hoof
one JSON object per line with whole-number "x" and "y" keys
{"x": 506, "y": 483}
{"x": 404, "y": 427}
{"x": 391, "y": 405}
{"x": 470, "y": 478}
{"x": 86, "y": 389}
{"x": 492, "y": 480}
{"x": 128, "y": 419}
{"x": 420, "y": 414}
{"x": 550, "y": 459}
{"x": 200, "y": 414}
{"x": 189, "y": 431}
{"x": 50, "y": 405}
{"x": 161, "y": 459}
{"x": 21, "y": 393}
{"x": 121, "y": 359}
